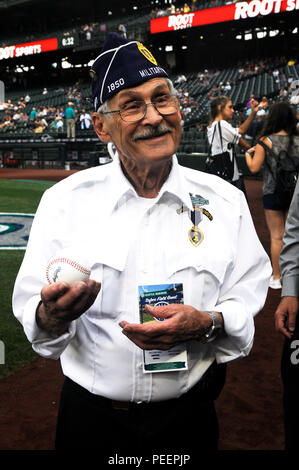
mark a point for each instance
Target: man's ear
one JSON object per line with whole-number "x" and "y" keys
{"x": 100, "y": 127}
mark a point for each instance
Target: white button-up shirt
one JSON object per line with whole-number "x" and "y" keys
{"x": 132, "y": 241}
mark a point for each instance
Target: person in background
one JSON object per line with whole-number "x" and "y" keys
{"x": 70, "y": 117}
{"x": 85, "y": 119}
{"x": 33, "y": 114}
{"x": 58, "y": 124}
{"x": 286, "y": 322}
{"x": 122, "y": 30}
{"x": 248, "y": 105}
{"x": 279, "y": 133}
{"x": 222, "y": 111}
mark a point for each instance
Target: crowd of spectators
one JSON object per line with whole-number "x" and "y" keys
{"x": 46, "y": 118}
{"x": 91, "y": 30}
{"x": 288, "y": 86}
{"x": 183, "y": 8}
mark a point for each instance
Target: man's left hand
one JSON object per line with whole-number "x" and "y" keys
{"x": 180, "y": 323}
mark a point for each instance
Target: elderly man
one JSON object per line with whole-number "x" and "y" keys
{"x": 177, "y": 275}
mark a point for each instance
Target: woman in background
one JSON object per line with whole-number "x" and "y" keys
{"x": 222, "y": 111}
{"x": 279, "y": 133}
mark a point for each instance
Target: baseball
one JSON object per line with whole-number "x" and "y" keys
{"x": 68, "y": 267}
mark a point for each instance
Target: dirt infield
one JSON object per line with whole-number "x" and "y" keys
{"x": 249, "y": 408}
{"x": 34, "y": 174}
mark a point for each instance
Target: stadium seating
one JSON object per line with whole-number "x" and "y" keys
{"x": 199, "y": 93}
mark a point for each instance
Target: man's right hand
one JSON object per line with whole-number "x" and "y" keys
{"x": 61, "y": 304}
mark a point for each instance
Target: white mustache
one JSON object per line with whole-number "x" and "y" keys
{"x": 151, "y": 132}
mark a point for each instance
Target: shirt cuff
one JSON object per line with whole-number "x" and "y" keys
{"x": 239, "y": 332}
{"x": 290, "y": 286}
{"x": 42, "y": 343}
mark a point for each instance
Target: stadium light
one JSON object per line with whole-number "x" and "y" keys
{"x": 65, "y": 64}
{"x": 261, "y": 34}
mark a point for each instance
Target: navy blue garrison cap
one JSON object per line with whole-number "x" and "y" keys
{"x": 121, "y": 64}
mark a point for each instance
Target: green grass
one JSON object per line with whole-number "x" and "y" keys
{"x": 24, "y": 197}
{"x": 21, "y": 196}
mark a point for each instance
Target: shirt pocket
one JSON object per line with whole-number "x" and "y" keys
{"x": 202, "y": 279}
{"x": 108, "y": 269}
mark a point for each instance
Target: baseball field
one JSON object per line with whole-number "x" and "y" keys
{"x": 249, "y": 408}
{"x": 16, "y": 196}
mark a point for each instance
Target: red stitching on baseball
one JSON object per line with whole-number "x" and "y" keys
{"x": 72, "y": 263}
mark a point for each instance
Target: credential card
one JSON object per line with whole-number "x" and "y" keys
{"x": 155, "y": 295}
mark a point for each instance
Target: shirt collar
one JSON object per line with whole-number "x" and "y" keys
{"x": 176, "y": 185}
{"x": 121, "y": 189}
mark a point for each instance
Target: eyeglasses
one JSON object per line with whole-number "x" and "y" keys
{"x": 134, "y": 111}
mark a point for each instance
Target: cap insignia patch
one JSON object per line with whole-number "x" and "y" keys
{"x": 147, "y": 54}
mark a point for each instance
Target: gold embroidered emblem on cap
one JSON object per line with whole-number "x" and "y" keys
{"x": 147, "y": 54}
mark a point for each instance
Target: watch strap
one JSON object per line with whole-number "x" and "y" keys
{"x": 213, "y": 330}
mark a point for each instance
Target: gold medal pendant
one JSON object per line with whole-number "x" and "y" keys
{"x": 195, "y": 235}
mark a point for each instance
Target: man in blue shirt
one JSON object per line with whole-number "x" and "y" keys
{"x": 33, "y": 114}
{"x": 70, "y": 121}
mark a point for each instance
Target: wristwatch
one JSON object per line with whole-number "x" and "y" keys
{"x": 213, "y": 330}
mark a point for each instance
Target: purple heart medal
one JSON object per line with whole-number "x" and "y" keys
{"x": 195, "y": 234}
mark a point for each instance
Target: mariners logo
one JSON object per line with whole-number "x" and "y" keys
{"x": 147, "y": 54}
{"x": 14, "y": 230}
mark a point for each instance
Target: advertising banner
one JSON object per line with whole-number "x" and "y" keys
{"x": 28, "y": 48}
{"x": 232, "y": 12}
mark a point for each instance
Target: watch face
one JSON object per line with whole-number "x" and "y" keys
{"x": 209, "y": 333}
{"x": 212, "y": 328}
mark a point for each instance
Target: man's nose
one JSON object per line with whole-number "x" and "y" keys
{"x": 152, "y": 116}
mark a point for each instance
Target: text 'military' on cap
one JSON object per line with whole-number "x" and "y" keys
{"x": 121, "y": 64}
